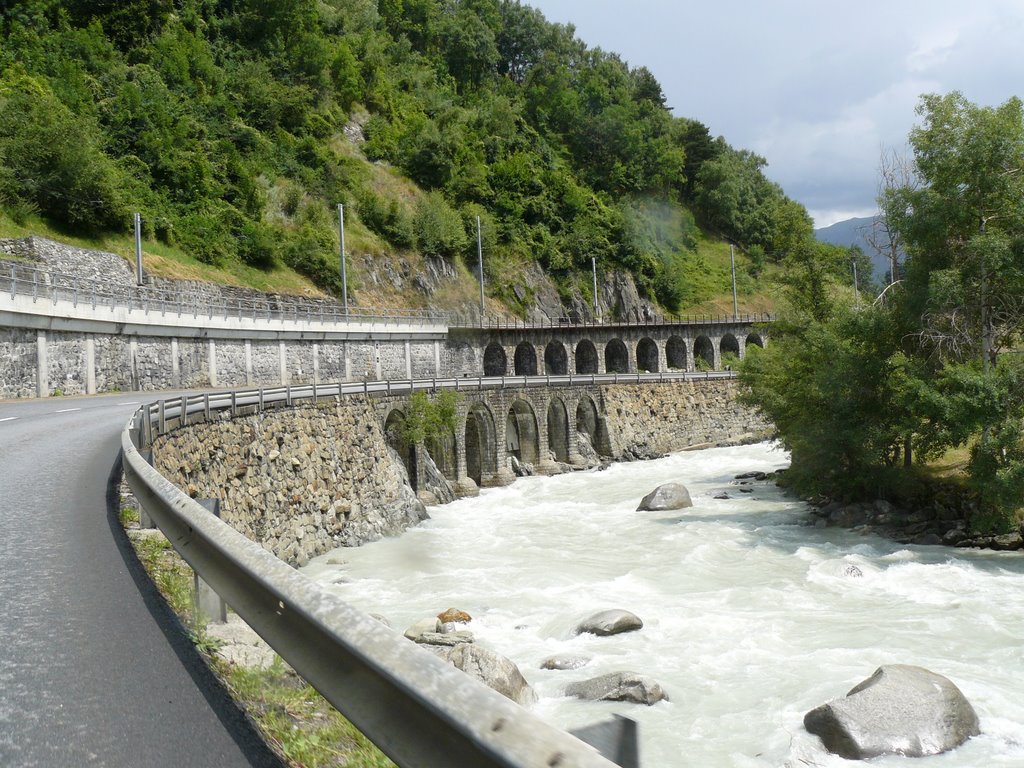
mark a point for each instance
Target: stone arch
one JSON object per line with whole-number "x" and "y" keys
{"x": 394, "y": 427}
{"x": 558, "y": 430}
{"x": 526, "y": 359}
{"x": 495, "y": 360}
{"x": 647, "y": 355}
{"x": 480, "y": 443}
{"x": 586, "y": 357}
{"x": 704, "y": 349}
{"x": 590, "y": 423}
{"x": 675, "y": 353}
{"x": 728, "y": 346}
{"x": 521, "y": 433}
{"x": 616, "y": 357}
{"x": 556, "y": 359}
{"x": 754, "y": 340}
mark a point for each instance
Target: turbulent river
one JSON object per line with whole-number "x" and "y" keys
{"x": 751, "y": 618}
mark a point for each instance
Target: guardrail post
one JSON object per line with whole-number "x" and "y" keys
{"x": 234, "y": 404}
{"x": 261, "y": 399}
{"x": 206, "y": 406}
{"x": 162, "y": 416}
{"x": 314, "y": 393}
{"x": 208, "y": 604}
{"x": 184, "y": 410}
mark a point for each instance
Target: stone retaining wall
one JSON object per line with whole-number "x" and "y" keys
{"x": 653, "y": 419}
{"x": 300, "y": 481}
{"x": 305, "y": 480}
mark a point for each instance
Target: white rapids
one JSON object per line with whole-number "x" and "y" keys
{"x": 751, "y": 618}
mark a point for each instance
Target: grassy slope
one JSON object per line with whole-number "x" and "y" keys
{"x": 707, "y": 269}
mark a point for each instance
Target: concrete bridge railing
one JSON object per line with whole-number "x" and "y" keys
{"x": 47, "y": 286}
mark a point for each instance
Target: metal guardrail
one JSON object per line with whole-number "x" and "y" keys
{"x": 43, "y": 285}
{"x": 417, "y": 709}
{"x": 500, "y": 323}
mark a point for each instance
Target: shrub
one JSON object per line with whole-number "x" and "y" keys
{"x": 438, "y": 226}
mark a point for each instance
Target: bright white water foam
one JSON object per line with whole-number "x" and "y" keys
{"x": 750, "y": 617}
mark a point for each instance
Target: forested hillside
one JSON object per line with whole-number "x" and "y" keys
{"x": 235, "y": 127}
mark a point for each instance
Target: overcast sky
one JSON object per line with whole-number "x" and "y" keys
{"x": 818, "y": 88}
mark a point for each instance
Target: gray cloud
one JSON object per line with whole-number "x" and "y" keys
{"x": 818, "y": 89}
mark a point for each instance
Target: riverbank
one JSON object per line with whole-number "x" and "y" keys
{"x": 939, "y": 515}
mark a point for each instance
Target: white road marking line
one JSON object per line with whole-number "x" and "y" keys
{"x": 9, "y": 418}
{"x": 67, "y": 410}
{"x": 130, "y": 402}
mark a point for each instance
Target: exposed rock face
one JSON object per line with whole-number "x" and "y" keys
{"x": 564, "y": 662}
{"x": 492, "y": 669}
{"x": 620, "y": 296}
{"x": 900, "y": 709}
{"x": 618, "y": 686}
{"x": 436, "y": 489}
{"x": 588, "y": 454}
{"x": 666, "y": 497}
{"x": 611, "y": 622}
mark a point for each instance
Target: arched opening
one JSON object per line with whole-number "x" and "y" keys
{"x": 703, "y": 354}
{"x": 394, "y": 436}
{"x": 729, "y": 348}
{"x": 556, "y": 360}
{"x": 675, "y": 353}
{"x": 495, "y": 360}
{"x": 590, "y": 424}
{"x": 558, "y": 430}
{"x": 647, "y": 356}
{"x": 526, "y": 359}
{"x": 521, "y": 438}
{"x": 481, "y": 448}
{"x": 754, "y": 340}
{"x": 586, "y": 357}
{"x": 616, "y": 357}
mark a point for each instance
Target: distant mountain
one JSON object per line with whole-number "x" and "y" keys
{"x": 855, "y": 232}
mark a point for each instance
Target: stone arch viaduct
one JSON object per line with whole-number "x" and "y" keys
{"x": 555, "y": 350}
{"x": 568, "y": 423}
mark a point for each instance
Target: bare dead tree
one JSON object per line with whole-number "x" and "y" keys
{"x": 896, "y": 171}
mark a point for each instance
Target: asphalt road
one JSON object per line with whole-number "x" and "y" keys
{"x": 94, "y": 670}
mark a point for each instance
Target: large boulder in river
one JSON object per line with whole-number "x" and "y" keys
{"x": 612, "y": 622}
{"x": 618, "y": 686}
{"x": 492, "y": 669}
{"x": 666, "y": 497}
{"x": 901, "y": 710}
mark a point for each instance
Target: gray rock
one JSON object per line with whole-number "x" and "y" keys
{"x": 618, "y": 686}
{"x": 422, "y": 626}
{"x": 752, "y": 476}
{"x": 927, "y": 539}
{"x": 901, "y": 710}
{"x": 492, "y": 669}
{"x": 565, "y": 662}
{"x": 444, "y": 638}
{"x": 666, "y": 497}
{"x": 721, "y": 496}
{"x": 611, "y": 622}
{"x": 848, "y": 516}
